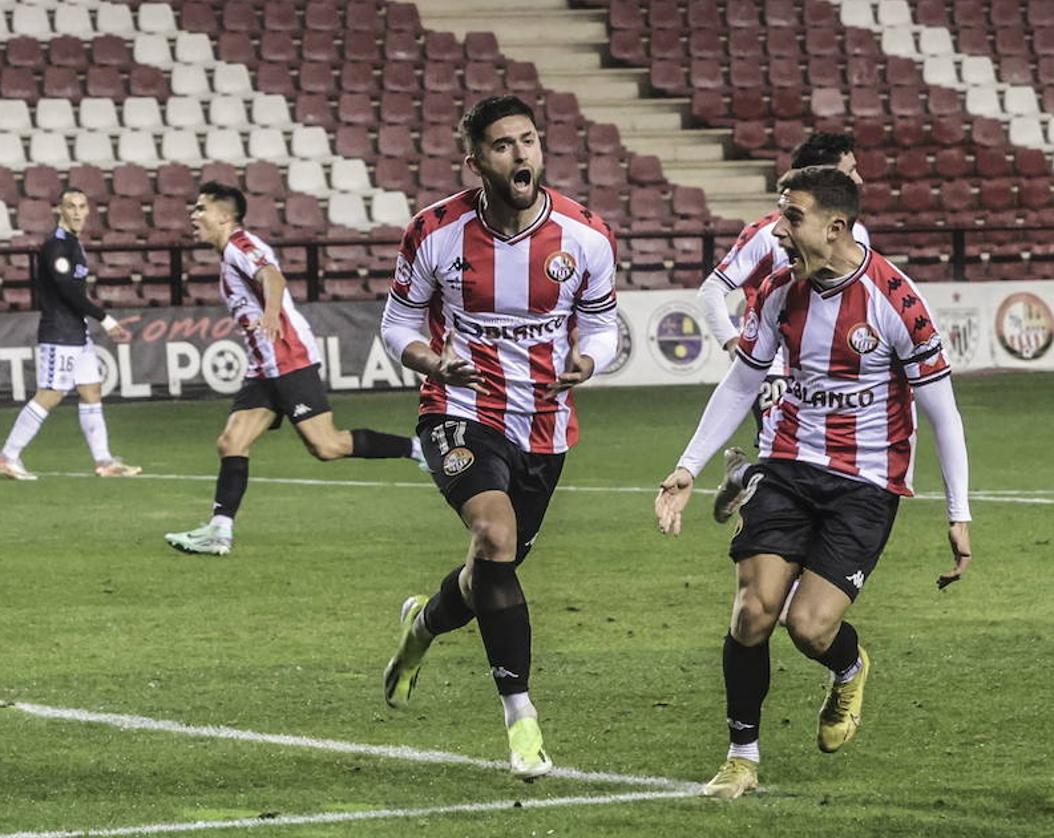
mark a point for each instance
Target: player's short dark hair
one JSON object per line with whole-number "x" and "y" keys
{"x": 222, "y": 192}
{"x": 69, "y": 190}
{"x": 485, "y": 113}
{"x": 821, "y": 149}
{"x": 833, "y": 190}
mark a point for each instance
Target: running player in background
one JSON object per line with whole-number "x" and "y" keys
{"x": 502, "y": 274}
{"x": 837, "y": 453}
{"x": 65, "y": 353}
{"x": 754, "y": 256}
{"x": 282, "y": 378}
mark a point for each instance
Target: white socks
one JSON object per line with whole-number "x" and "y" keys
{"x": 736, "y": 475}
{"x": 224, "y": 524}
{"x": 94, "y": 427}
{"x": 29, "y": 420}
{"x": 749, "y": 751}
{"x": 517, "y": 706}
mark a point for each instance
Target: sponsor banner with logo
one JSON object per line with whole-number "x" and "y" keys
{"x": 993, "y": 325}
{"x": 195, "y": 352}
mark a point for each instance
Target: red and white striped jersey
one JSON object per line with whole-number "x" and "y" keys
{"x": 854, "y": 350}
{"x": 244, "y": 255}
{"x": 511, "y": 304}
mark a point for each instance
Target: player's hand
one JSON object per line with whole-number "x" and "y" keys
{"x": 674, "y": 493}
{"x": 579, "y": 368}
{"x": 959, "y": 539}
{"x": 119, "y": 334}
{"x": 730, "y": 347}
{"x": 453, "y": 369}
{"x": 270, "y": 324}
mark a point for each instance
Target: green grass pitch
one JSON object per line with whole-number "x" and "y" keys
{"x": 289, "y": 635}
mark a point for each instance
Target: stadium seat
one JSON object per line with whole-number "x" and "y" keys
{"x": 564, "y": 173}
{"x": 90, "y": 180}
{"x": 307, "y": 176}
{"x": 152, "y": 50}
{"x": 137, "y": 146}
{"x": 313, "y": 109}
{"x": 30, "y": 20}
{"x": 240, "y": 17}
{"x": 951, "y": 163}
{"x": 997, "y": 194}
{"x": 270, "y": 111}
{"x": 268, "y": 144}
{"x": 115, "y": 19}
{"x": 126, "y": 215}
{"x": 62, "y": 83}
{"x": 1031, "y": 163}
{"x": 194, "y": 48}
{"x": 390, "y": 208}
{"x": 185, "y": 112}
{"x": 232, "y": 80}
{"x": 199, "y": 17}
{"x": 180, "y": 145}
{"x": 221, "y": 173}
{"x": 224, "y": 145}
{"x": 1026, "y": 131}
{"x": 279, "y": 48}
{"x": 263, "y": 177}
{"x": 603, "y": 138}
{"x": 156, "y": 18}
{"x": 957, "y": 195}
{"x": 49, "y": 149}
{"x": 41, "y": 182}
{"x": 68, "y": 51}
{"x": 105, "y": 83}
{"x": 310, "y": 143}
{"x": 319, "y": 46}
{"x": 354, "y": 141}
{"x": 94, "y": 148}
{"x": 14, "y": 117}
{"x": 34, "y": 216}
{"x": 827, "y": 102}
{"x": 95, "y": 114}
{"x": 142, "y": 113}
{"x": 912, "y": 164}
{"x": 131, "y": 181}
{"x": 189, "y": 80}
{"x": 393, "y": 174}
{"x": 177, "y": 180}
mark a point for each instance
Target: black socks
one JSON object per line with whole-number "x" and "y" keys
{"x": 374, "y": 445}
{"x": 504, "y": 624}
{"x": 446, "y": 610}
{"x": 747, "y": 674}
{"x": 231, "y": 484}
{"x": 843, "y": 651}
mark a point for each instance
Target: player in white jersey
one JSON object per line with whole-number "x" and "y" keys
{"x": 65, "y": 352}
{"x": 755, "y": 255}
{"x": 836, "y": 456}
{"x": 504, "y": 274}
{"x": 282, "y": 377}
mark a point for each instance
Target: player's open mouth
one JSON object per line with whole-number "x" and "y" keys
{"x": 522, "y": 179}
{"x": 793, "y": 256}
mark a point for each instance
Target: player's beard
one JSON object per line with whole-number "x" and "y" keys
{"x": 501, "y": 189}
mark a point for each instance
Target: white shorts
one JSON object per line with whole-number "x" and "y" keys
{"x": 64, "y": 367}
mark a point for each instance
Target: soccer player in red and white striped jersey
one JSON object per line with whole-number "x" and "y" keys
{"x": 837, "y": 453}
{"x": 282, "y": 376}
{"x": 505, "y": 275}
{"x": 756, "y": 255}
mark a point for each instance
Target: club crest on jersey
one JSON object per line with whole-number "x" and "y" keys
{"x": 457, "y": 460}
{"x": 751, "y": 325}
{"x": 560, "y": 266}
{"x": 862, "y": 339}
{"x": 62, "y": 265}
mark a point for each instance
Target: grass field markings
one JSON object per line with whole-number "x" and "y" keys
{"x": 995, "y": 495}
{"x": 400, "y": 752}
{"x": 323, "y": 818}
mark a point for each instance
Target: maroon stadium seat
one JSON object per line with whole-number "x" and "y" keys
{"x": 132, "y": 181}
{"x": 437, "y": 173}
{"x": 782, "y": 43}
{"x": 788, "y": 102}
{"x": 997, "y": 194}
{"x": 916, "y": 197}
{"x": 1034, "y": 193}
{"x": 780, "y": 13}
{"x": 705, "y": 43}
{"x": 313, "y": 109}
{"x": 666, "y": 43}
{"x": 562, "y": 107}
{"x": 708, "y": 107}
{"x": 664, "y": 14}
{"x": 441, "y": 77}
{"x": 603, "y": 138}
{"x": 706, "y": 74}
{"x": 1031, "y": 162}
{"x": 788, "y": 133}
{"x": 400, "y": 76}
{"x": 443, "y": 46}
{"x": 401, "y": 46}
{"x": 645, "y": 170}
{"x": 237, "y": 48}
{"x": 562, "y": 171}
{"x": 668, "y": 77}
{"x": 748, "y": 103}
{"x": 906, "y": 101}
{"x": 863, "y": 72}
{"x": 625, "y": 14}
{"x": 67, "y": 51}
{"x": 605, "y": 170}
{"x": 741, "y": 13}
{"x": 943, "y": 101}
{"x": 931, "y": 13}
{"x": 262, "y": 177}
{"x": 563, "y": 138}
{"x": 821, "y": 42}
{"x": 1015, "y": 69}
{"x": 392, "y": 173}
{"x": 865, "y": 101}
{"x": 199, "y": 17}
{"x": 785, "y": 72}
{"x": 482, "y": 46}
{"x": 240, "y": 16}
{"x": 262, "y": 214}
{"x": 992, "y": 162}
{"x": 279, "y": 48}
{"x": 824, "y": 71}
{"x": 146, "y": 81}
{"x": 362, "y": 16}
{"x": 913, "y": 164}
{"x": 9, "y": 192}
{"x": 703, "y": 14}
{"x": 322, "y": 17}
{"x": 952, "y": 163}
{"x": 746, "y": 72}
{"x": 319, "y": 46}
{"x": 304, "y": 213}
{"x": 125, "y": 215}
{"x": 41, "y": 182}
{"x": 860, "y": 42}
{"x": 280, "y": 17}
{"x": 177, "y": 180}
{"x": 627, "y": 47}
{"x": 903, "y": 72}
{"x": 1040, "y": 13}
{"x": 876, "y": 198}
{"x": 403, "y": 17}
{"x": 749, "y": 135}
{"x": 20, "y": 83}
{"x": 358, "y": 77}
{"x": 1011, "y": 40}
{"x": 522, "y": 77}
{"x": 988, "y": 132}
{"x": 62, "y": 83}
{"x": 440, "y": 141}
{"x": 361, "y": 46}
{"x": 910, "y": 131}
{"x": 972, "y": 40}
{"x": 35, "y": 216}
{"x": 110, "y": 51}
{"x": 221, "y": 173}
{"x": 439, "y": 108}
{"x": 745, "y": 43}
{"x": 398, "y": 109}
{"x": 948, "y": 131}
{"x": 23, "y": 51}
{"x": 396, "y": 141}
{"x": 354, "y": 141}
{"x": 872, "y": 164}
{"x": 274, "y": 77}
{"x": 482, "y": 77}
{"x": 970, "y": 12}
{"x": 957, "y": 195}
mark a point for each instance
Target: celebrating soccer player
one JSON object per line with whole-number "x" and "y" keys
{"x": 502, "y": 273}
{"x": 837, "y": 452}
{"x": 282, "y": 378}
{"x": 65, "y": 353}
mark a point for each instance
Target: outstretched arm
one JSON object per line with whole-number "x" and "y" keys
{"x": 937, "y": 401}
{"x": 728, "y": 406}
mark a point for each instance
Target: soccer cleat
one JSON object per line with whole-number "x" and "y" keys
{"x": 527, "y": 758}
{"x": 840, "y": 714}
{"x": 400, "y": 675}
{"x": 205, "y": 539}
{"x": 14, "y": 470}
{"x": 730, "y": 493}
{"x": 117, "y": 468}
{"x": 734, "y": 778}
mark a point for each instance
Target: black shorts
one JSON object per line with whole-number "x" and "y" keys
{"x": 299, "y": 395}
{"x": 832, "y": 525}
{"x": 467, "y": 458}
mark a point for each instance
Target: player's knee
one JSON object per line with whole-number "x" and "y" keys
{"x": 809, "y": 631}
{"x": 225, "y": 445}
{"x": 753, "y": 619}
{"x": 494, "y": 541}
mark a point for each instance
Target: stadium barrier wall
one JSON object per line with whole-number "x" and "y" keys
{"x": 197, "y": 352}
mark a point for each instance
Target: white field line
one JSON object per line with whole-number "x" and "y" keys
{"x": 994, "y": 496}
{"x": 400, "y": 752}
{"x": 349, "y": 817}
